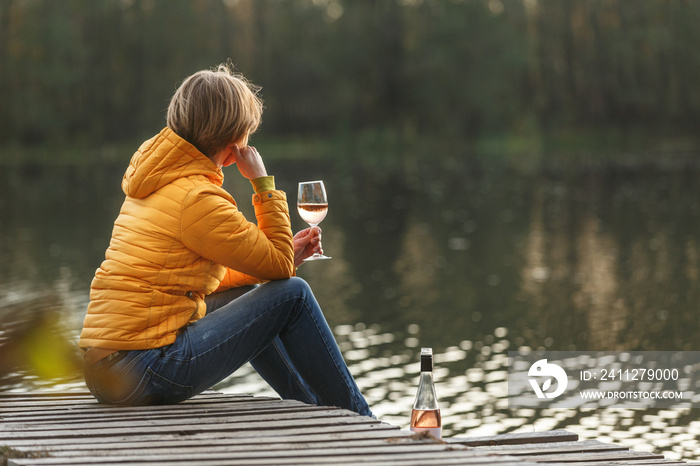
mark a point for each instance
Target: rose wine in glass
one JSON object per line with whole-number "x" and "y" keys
{"x": 312, "y": 205}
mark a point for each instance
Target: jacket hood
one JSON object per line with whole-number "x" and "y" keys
{"x": 162, "y": 160}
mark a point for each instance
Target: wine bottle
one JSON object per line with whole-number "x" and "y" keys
{"x": 425, "y": 416}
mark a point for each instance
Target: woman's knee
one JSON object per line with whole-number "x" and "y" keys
{"x": 293, "y": 287}
{"x": 291, "y": 284}
{"x": 298, "y": 283}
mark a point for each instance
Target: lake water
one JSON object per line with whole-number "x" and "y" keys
{"x": 470, "y": 261}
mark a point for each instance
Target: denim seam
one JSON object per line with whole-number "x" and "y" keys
{"x": 167, "y": 381}
{"x": 348, "y": 385}
{"x": 133, "y": 362}
{"x": 293, "y": 373}
{"x": 138, "y": 389}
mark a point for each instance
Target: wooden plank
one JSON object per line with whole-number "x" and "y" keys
{"x": 616, "y": 455}
{"x": 379, "y": 460}
{"x": 42, "y": 397}
{"x": 391, "y": 435}
{"x": 582, "y": 446}
{"x": 368, "y": 446}
{"x": 303, "y": 457}
{"x": 234, "y": 436}
{"x": 244, "y": 429}
{"x": 189, "y": 425}
{"x": 60, "y": 420}
{"x": 516, "y": 438}
{"x": 27, "y": 405}
{"x": 225, "y": 418}
{"x": 101, "y": 411}
{"x": 48, "y": 394}
{"x": 259, "y": 429}
{"x": 286, "y": 451}
{"x": 218, "y": 445}
{"x": 642, "y": 461}
{"x": 289, "y": 442}
{"x": 74, "y": 403}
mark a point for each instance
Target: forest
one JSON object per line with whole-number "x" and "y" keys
{"x": 77, "y": 73}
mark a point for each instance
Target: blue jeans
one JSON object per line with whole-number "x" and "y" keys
{"x": 278, "y": 327}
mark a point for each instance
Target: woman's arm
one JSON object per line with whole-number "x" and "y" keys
{"x": 213, "y": 227}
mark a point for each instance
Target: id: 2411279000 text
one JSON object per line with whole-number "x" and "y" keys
{"x": 630, "y": 375}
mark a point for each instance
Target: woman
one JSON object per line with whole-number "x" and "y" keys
{"x": 190, "y": 290}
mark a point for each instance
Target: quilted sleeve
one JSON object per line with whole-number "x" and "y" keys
{"x": 213, "y": 227}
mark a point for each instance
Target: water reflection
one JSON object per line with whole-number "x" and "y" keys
{"x": 471, "y": 262}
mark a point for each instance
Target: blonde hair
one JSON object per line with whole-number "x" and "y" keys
{"x": 213, "y": 108}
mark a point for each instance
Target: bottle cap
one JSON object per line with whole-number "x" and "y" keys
{"x": 426, "y": 360}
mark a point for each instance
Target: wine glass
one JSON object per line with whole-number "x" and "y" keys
{"x": 312, "y": 204}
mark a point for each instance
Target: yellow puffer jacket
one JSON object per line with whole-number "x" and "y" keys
{"x": 179, "y": 237}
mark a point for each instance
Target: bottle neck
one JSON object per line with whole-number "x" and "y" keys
{"x": 426, "y": 381}
{"x": 426, "y": 398}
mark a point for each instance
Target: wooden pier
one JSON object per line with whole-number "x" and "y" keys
{"x": 219, "y": 429}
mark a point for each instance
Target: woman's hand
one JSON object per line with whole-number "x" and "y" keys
{"x": 249, "y": 162}
{"x": 306, "y": 243}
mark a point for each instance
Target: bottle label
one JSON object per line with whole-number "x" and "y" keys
{"x": 435, "y": 431}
